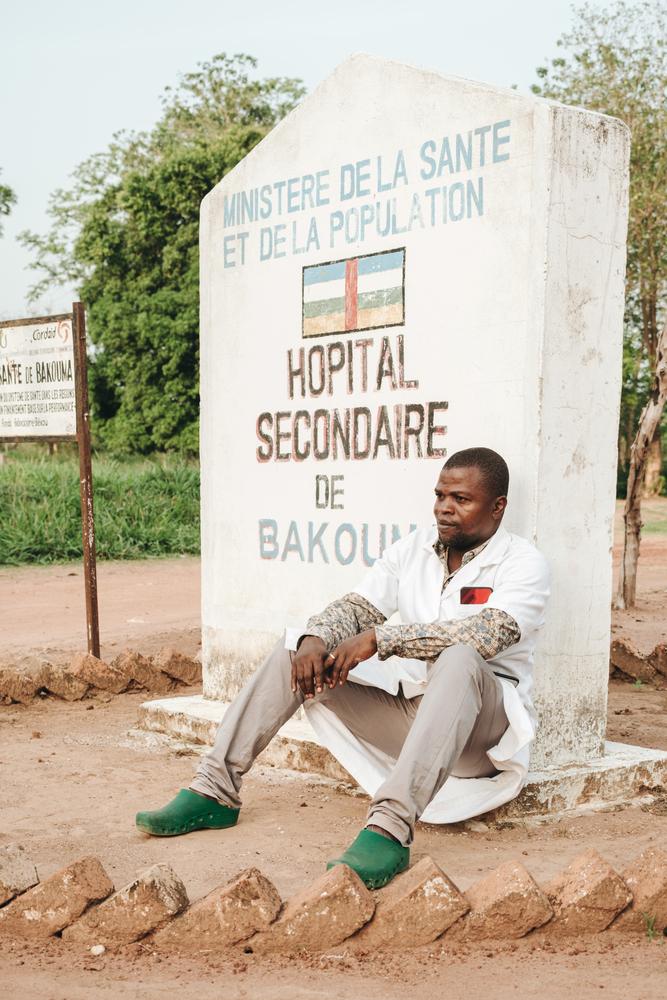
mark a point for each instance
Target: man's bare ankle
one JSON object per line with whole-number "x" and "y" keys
{"x": 383, "y": 832}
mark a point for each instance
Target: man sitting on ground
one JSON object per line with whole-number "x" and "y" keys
{"x": 433, "y": 694}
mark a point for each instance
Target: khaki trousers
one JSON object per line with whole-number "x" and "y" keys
{"x": 447, "y": 730}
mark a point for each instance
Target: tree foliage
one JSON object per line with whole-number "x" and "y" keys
{"x": 7, "y": 199}
{"x": 615, "y": 61}
{"x": 125, "y": 234}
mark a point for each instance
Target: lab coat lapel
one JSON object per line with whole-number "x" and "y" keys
{"x": 432, "y": 591}
{"x": 489, "y": 556}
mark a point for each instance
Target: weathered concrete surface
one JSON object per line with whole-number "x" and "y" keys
{"x": 231, "y": 913}
{"x": 414, "y": 909}
{"x": 507, "y": 903}
{"x": 98, "y": 674}
{"x": 17, "y": 872}
{"x": 177, "y": 665}
{"x": 156, "y": 896}
{"x": 646, "y": 879}
{"x": 321, "y": 916}
{"x": 624, "y": 775}
{"x": 57, "y": 901}
{"x": 586, "y": 896}
{"x": 196, "y": 719}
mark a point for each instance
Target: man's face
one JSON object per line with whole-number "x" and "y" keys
{"x": 465, "y": 513}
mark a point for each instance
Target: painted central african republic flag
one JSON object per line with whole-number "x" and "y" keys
{"x": 361, "y": 293}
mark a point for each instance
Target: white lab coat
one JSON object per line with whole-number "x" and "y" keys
{"x": 407, "y": 581}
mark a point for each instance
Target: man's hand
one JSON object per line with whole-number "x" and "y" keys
{"x": 308, "y": 667}
{"x": 349, "y": 654}
{"x": 313, "y": 667}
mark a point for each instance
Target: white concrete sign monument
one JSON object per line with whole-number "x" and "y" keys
{"x": 408, "y": 265}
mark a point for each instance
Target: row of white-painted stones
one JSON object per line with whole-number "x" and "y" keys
{"x": 85, "y": 674}
{"x": 78, "y": 903}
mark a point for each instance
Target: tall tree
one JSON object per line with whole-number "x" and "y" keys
{"x": 648, "y": 422}
{"x": 126, "y": 236}
{"x": 615, "y": 61}
{"x": 7, "y": 199}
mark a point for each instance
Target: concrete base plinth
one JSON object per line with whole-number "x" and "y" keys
{"x": 196, "y": 719}
{"x": 625, "y": 775}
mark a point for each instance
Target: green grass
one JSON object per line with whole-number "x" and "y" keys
{"x": 655, "y": 519}
{"x": 142, "y": 508}
{"x": 654, "y": 516}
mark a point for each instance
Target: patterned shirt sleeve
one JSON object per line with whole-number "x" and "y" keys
{"x": 489, "y": 632}
{"x": 343, "y": 618}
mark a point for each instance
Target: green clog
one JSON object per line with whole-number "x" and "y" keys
{"x": 185, "y": 813}
{"x": 375, "y": 859}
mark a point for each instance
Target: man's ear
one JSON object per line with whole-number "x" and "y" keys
{"x": 499, "y": 505}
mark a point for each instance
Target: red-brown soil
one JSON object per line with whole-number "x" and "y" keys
{"x": 73, "y": 775}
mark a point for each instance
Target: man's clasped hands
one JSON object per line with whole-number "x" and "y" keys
{"x": 313, "y": 667}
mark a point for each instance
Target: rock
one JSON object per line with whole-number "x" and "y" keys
{"x": 17, "y": 872}
{"x": 627, "y": 658}
{"x": 586, "y": 896}
{"x": 132, "y": 912}
{"x": 140, "y": 670}
{"x": 228, "y": 914}
{"x": 97, "y": 949}
{"x": 60, "y": 681}
{"x": 658, "y": 658}
{"x": 320, "y": 916}
{"x": 508, "y": 903}
{"x": 414, "y": 909}
{"x": 57, "y": 901}
{"x": 21, "y": 681}
{"x": 646, "y": 879}
{"x": 97, "y": 673}
{"x": 177, "y": 665}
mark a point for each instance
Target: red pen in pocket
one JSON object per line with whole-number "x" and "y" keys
{"x": 475, "y": 595}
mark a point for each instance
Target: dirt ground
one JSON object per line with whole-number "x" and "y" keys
{"x": 73, "y": 775}
{"x": 646, "y": 624}
{"x": 142, "y": 605}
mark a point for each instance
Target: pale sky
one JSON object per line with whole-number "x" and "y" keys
{"x": 72, "y": 73}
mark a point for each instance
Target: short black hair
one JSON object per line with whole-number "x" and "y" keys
{"x": 493, "y": 467}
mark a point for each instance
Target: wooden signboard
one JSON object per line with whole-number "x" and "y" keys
{"x": 44, "y": 397}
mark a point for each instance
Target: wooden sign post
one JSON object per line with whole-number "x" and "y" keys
{"x": 44, "y": 397}
{"x": 86, "y": 477}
